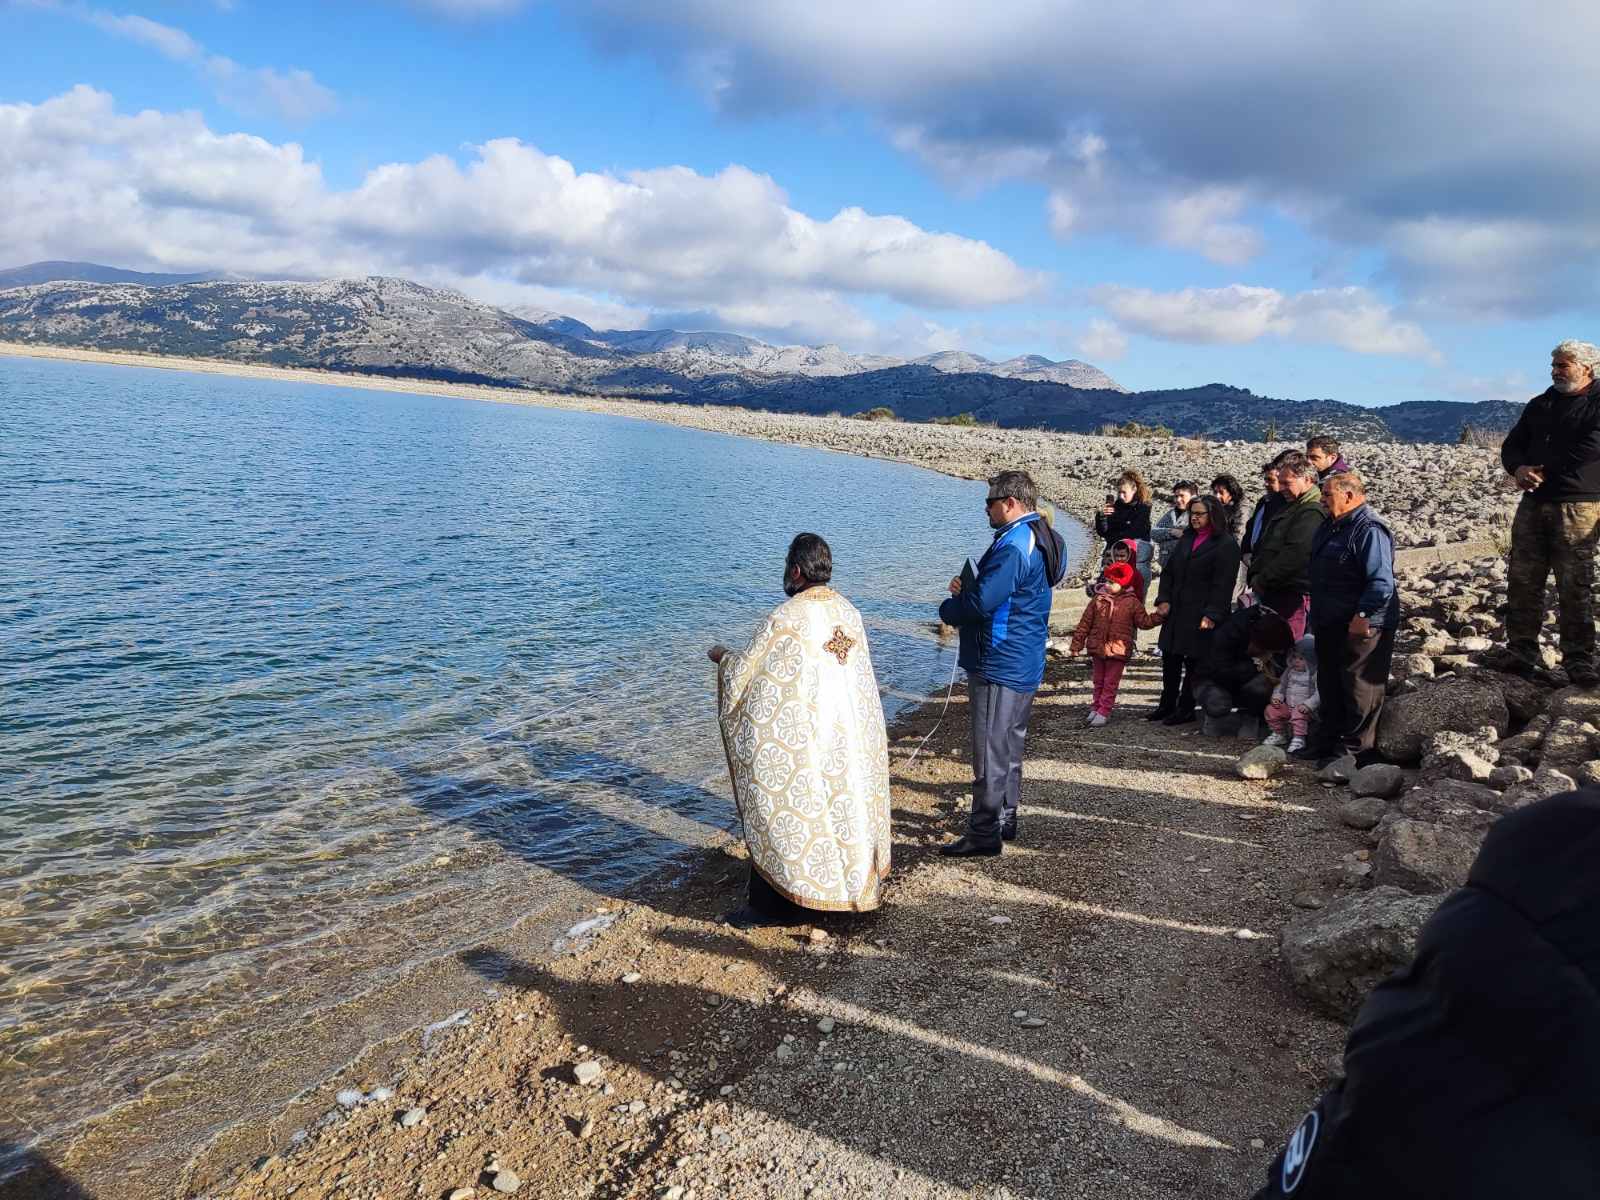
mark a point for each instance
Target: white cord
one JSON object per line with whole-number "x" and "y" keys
{"x": 950, "y": 691}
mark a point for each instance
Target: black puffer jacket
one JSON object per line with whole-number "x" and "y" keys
{"x": 1561, "y": 434}
{"x": 1471, "y": 1074}
{"x": 1129, "y": 520}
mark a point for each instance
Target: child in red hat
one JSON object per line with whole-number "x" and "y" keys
{"x": 1107, "y": 628}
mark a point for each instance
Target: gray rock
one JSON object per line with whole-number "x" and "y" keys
{"x": 1458, "y": 703}
{"x": 1525, "y": 698}
{"x": 1588, "y": 775}
{"x": 1340, "y": 770}
{"x": 1363, "y": 812}
{"x": 1566, "y": 744}
{"x": 1336, "y": 954}
{"x": 1420, "y": 856}
{"x": 412, "y": 1117}
{"x": 1505, "y": 776}
{"x": 506, "y": 1181}
{"x": 588, "y": 1073}
{"x": 1415, "y": 667}
{"x": 1379, "y": 779}
{"x": 1262, "y": 762}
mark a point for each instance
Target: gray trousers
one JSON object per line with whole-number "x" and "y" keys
{"x": 999, "y": 724}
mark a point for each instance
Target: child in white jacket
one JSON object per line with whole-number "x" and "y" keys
{"x": 1294, "y": 700}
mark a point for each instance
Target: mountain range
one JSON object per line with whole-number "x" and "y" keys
{"x": 395, "y": 327}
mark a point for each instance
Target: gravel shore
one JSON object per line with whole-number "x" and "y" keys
{"x": 1101, "y": 1012}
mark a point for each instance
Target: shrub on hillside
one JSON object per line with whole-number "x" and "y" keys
{"x": 881, "y": 413}
{"x": 1133, "y": 429}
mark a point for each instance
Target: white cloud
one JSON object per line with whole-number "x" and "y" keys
{"x": 1103, "y": 341}
{"x": 294, "y": 94}
{"x": 78, "y": 179}
{"x": 1186, "y": 124}
{"x": 1349, "y": 318}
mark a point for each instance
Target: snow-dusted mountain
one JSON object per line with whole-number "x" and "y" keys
{"x": 395, "y": 327}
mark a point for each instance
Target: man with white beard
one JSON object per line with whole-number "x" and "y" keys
{"x": 1553, "y": 453}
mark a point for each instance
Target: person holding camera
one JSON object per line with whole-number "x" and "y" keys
{"x": 1126, "y": 515}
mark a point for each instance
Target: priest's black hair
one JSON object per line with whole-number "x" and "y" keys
{"x": 812, "y": 556}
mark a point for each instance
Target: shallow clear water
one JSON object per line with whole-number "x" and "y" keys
{"x": 302, "y": 686}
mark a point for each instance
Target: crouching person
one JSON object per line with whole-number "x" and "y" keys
{"x": 1470, "y": 1074}
{"x": 1231, "y": 676}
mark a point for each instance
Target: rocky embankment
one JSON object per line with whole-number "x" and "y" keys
{"x": 1471, "y": 744}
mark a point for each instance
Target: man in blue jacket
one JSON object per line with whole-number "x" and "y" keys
{"x": 1004, "y": 618}
{"x": 1355, "y": 614}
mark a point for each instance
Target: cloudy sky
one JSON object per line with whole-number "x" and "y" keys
{"x": 1366, "y": 201}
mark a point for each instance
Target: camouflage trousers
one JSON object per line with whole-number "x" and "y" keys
{"x": 1552, "y": 537}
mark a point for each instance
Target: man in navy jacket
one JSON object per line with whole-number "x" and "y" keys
{"x": 1004, "y": 619}
{"x": 1355, "y": 614}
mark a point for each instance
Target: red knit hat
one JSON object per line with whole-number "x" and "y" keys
{"x": 1120, "y": 574}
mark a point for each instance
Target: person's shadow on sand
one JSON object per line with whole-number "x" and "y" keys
{"x": 28, "y": 1175}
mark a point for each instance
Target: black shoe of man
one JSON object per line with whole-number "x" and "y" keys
{"x": 1365, "y": 758}
{"x": 968, "y": 847}
{"x": 1008, "y": 829}
{"x": 1182, "y": 717}
{"x": 1158, "y": 713}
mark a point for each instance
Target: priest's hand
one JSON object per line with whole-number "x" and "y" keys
{"x": 955, "y": 585}
{"x": 716, "y": 652}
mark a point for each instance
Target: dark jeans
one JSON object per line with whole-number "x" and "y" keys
{"x": 1177, "y": 683}
{"x": 773, "y": 904}
{"x": 1352, "y": 676}
{"x": 999, "y": 725}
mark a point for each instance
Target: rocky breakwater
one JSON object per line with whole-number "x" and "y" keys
{"x": 1466, "y": 745}
{"x": 1431, "y": 495}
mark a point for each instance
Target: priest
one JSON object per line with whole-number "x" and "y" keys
{"x": 802, "y": 725}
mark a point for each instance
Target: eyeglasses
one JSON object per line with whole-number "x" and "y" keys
{"x": 994, "y": 500}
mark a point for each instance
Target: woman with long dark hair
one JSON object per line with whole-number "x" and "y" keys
{"x": 1196, "y": 595}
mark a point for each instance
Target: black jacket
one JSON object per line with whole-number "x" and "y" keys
{"x": 1272, "y": 502}
{"x": 1471, "y": 1074}
{"x": 1128, "y": 521}
{"x": 1561, "y": 434}
{"x": 1282, "y": 559}
{"x": 1197, "y": 584}
{"x": 1228, "y": 666}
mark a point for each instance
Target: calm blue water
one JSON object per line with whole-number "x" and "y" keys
{"x": 294, "y": 677}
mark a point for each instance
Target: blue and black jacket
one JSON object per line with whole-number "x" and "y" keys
{"x": 1352, "y": 571}
{"x": 1004, "y": 618}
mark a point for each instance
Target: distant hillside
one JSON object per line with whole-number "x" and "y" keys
{"x": 398, "y": 328}
{"x": 54, "y": 272}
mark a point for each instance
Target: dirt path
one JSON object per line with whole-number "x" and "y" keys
{"x": 1161, "y": 1054}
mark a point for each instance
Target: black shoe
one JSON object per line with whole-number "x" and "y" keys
{"x": 1008, "y": 830}
{"x": 1181, "y": 717}
{"x": 1159, "y": 713}
{"x": 967, "y": 847}
{"x": 1365, "y": 758}
{"x": 1582, "y": 675}
{"x": 1322, "y": 755}
{"x": 750, "y": 917}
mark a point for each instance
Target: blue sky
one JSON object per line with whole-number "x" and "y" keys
{"x": 1366, "y": 201}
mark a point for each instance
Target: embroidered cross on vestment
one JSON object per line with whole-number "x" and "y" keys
{"x": 839, "y": 645}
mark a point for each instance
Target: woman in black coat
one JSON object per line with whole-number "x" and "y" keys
{"x": 1128, "y": 514}
{"x": 1196, "y": 595}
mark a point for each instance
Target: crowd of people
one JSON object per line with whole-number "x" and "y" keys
{"x": 1289, "y": 612}
{"x": 1305, "y": 576}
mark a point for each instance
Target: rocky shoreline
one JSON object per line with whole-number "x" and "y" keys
{"x": 1433, "y": 495}
{"x": 1120, "y": 986}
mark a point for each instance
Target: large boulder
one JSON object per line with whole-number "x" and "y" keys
{"x": 1422, "y": 856}
{"x": 1546, "y": 782}
{"x": 1458, "y": 703}
{"x": 1467, "y": 756}
{"x": 1525, "y": 699}
{"x": 1337, "y": 954}
{"x": 1567, "y": 744}
{"x": 1452, "y": 802}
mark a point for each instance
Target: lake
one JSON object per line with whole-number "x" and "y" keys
{"x": 305, "y": 687}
